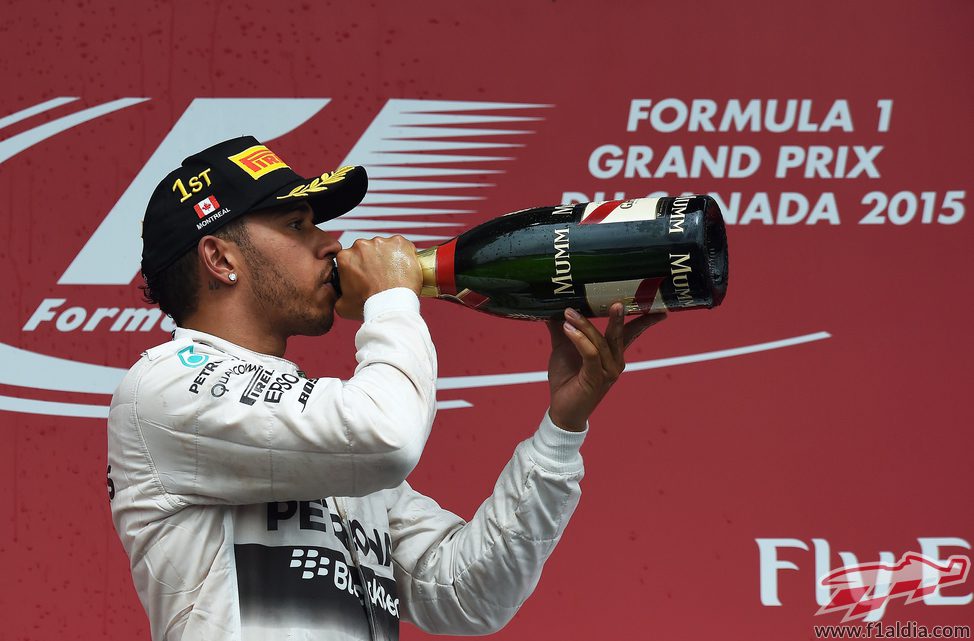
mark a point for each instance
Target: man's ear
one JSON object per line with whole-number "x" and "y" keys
{"x": 220, "y": 259}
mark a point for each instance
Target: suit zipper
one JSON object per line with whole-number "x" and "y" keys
{"x": 343, "y": 514}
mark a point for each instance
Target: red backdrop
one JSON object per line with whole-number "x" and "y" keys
{"x": 839, "y": 430}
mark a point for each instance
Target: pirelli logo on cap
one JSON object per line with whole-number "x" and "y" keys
{"x": 257, "y": 161}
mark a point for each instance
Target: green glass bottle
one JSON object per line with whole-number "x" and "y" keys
{"x": 652, "y": 254}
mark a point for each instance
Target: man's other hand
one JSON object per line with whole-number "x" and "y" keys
{"x": 584, "y": 364}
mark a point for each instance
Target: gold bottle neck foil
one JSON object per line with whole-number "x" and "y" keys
{"x": 427, "y": 261}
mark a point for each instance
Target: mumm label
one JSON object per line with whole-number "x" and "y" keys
{"x": 563, "y": 269}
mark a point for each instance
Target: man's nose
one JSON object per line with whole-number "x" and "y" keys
{"x": 327, "y": 244}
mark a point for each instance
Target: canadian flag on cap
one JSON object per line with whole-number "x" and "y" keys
{"x": 206, "y": 206}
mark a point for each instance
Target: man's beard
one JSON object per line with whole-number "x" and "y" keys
{"x": 278, "y": 297}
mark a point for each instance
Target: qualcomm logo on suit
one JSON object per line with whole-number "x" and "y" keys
{"x": 461, "y": 139}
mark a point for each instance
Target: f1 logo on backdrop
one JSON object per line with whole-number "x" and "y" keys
{"x": 398, "y": 147}
{"x": 403, "y": 138}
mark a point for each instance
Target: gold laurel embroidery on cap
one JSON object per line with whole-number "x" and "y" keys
{"x": 318, "y": 184}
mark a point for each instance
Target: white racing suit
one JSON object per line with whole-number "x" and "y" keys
{"x": 256, "y": 503}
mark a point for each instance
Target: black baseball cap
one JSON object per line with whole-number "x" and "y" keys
{"x": 224, "y": 182}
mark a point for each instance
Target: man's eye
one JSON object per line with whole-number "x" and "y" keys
{"x": 296, "y": 224}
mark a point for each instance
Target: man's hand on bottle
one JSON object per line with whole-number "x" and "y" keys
{"x": 584, "y": 364}
{"x": 371, "y": 266}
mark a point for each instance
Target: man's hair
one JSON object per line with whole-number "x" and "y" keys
{"x": 176, "y": 288}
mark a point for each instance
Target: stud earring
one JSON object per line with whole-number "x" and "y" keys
{"x": 232, "y": 277}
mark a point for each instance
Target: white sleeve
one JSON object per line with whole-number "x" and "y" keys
{"x": 234, "y": 437}
{"x": 470, "y": 578}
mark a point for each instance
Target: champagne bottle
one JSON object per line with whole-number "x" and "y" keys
{"x": 651, "y": 254}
